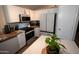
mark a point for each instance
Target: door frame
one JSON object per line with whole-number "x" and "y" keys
{"x": 76, "y": 25}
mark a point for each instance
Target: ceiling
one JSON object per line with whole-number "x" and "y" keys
{"x": 37, "y": 7}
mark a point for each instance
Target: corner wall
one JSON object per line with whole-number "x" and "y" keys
{"x": 2, "y": 18}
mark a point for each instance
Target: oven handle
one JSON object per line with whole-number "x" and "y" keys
{"x": 29, "y": 32}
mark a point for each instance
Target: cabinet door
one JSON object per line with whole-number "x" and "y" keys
{"x": 27, "y": 12}
{"x": 13, "y": 14}
{"x": 43, "y": 22}
{"x": 50, "y": 22}
{"x": 37, "y": 32}
{"x": 21, "y": 39}
{"x": 9, "y": 46}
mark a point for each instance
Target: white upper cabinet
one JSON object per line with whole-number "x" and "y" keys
{"x": 12, "y": 13}
{"x": 27, "y": 12}
{"x": 20, "y": 10}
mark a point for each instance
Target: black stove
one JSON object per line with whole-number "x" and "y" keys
{"x": 29, "y": 32}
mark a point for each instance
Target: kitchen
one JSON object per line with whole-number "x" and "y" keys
{"x": 40, "y": 20}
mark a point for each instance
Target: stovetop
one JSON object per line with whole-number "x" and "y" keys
{"x": 27, "y": 29}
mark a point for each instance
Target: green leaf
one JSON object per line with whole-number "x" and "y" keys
{"x": 62, "y": 45}
{"x": 52, "y": 42}
{"x": 57, "y": 46}
{"x": 57, "y": 38}
{"x": 47, "y": 40}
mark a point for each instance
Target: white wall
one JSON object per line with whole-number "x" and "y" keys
{"x": 2, "y": 18}
{"x": 36, "y": 13}
{"x": 32, "y": 15}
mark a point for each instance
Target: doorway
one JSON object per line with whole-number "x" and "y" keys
{"x": 77, "y": 35}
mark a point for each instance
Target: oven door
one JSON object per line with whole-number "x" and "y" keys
{"x": 29, "y": 35}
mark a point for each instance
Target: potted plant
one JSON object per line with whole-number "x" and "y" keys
{"x": 53, "y": 45}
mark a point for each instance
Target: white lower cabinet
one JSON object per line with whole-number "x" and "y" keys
{"x": 37, "y": 31}
{"x": 13, "y": 45}
{"x": 9, "y": 46}
{"x": 21, "y": 40}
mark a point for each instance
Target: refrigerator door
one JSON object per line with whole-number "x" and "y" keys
{"x": 43, "y": 22}
{"x": 66, "y": 20}
{"x": 50, "y": 22}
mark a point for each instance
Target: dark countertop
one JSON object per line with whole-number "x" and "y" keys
{"x": 4, "y": 37}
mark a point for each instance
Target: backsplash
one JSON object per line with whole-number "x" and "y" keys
{"x": 16, "y": 26}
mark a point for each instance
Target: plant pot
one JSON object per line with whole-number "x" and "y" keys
{"x": 53, "y": 51}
